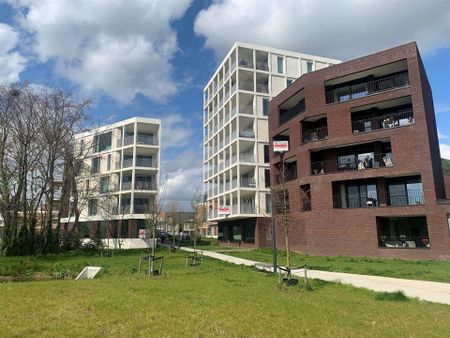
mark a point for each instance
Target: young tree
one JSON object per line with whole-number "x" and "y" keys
{"x": 173, "y": 213}
{"x": 199, "y": 210}
{"x": 281, "y": 200}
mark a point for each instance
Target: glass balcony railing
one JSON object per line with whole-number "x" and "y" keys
{"x": 316, "y": 134}
{"x": 352, "y": 164}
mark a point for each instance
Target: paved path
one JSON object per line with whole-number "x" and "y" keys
{"x": 430, "y": 291}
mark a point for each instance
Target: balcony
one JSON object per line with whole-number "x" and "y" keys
{"x": 262, "y": 65}
{"x": 246, "y": 85}
{"x": 248, "y": 133}
{"x": 403, "y": 233}
{"x": 288, "y": 114}
{"x": 374, "y": 199}
{"x": 245, "y": 63}
{"x": 393, "y": 120}
{"x": 352, "y": 163}
{"x": 125, "y": 209}
{"x": 262, "y": 88}
{"x": 317, "y": 134}
{"x": 140, "y": 208}
{"x": 345, "y": 92}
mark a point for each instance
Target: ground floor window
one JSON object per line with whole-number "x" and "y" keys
{"x": 403, "y": 232}
{"x": 239, "y": 232}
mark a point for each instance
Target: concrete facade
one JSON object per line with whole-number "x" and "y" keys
{"x": 365, "y": 170}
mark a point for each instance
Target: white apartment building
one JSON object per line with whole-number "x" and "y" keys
{"x": 236, "y": 152}
{"x": 120, "y": 173}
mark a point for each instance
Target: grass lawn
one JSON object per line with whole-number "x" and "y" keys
{"x": 430, "y": 270}
{"x": 214, "y": 299}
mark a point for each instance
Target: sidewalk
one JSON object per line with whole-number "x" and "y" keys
{"x": 435, "y": 292}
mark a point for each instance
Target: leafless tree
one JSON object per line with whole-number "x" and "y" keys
{"x": 173, "y": 213}
{"x": 199, "y": 210}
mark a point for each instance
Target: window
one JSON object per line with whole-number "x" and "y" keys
{"x": 406, "y": 192}
{"x": 448, "y": 221}
{"x": 280, "y": 65}
{"x": 267, "y": 178}
{"x": 108, "y": 163}
{"x": 305, "y": 197}
{"x": 309, "y": 66}
{"x": 265, "y": 106}
{"x": 103, "y": 142}
{"x": 268, "y": 203}
{"x": 92, "y": 207}
{"x": 266, "y": 153}
{"x": 289, "y": 82}
{"x": 95, "y": 165}
{"x": 362, "y": 195}
{"x": 104, "y": 184}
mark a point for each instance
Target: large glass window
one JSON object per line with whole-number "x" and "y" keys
{"x": 309, "y": 66}
{"x": 362, "y": 195}
{"x": 403, "y": 232}
{"x": 104, "y": 184}
{"x": 266, "y": 154}
{"x": 103, "y": 142}
{"x": 269, "y": 204}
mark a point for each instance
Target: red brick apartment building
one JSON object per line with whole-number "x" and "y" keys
{"x": 363, "y": 172}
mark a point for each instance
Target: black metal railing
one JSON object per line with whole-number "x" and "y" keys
{"x": 316, "y": 134}
{"x": 288, "y": 114}
{"x": 350, "y": 164}
{"x": 352, "y": 92}
{"x": 290, "y": 174}
{"x": 393, "y": 120}
{"x": 403, "y": 241}
{"x": 410, "y": 198}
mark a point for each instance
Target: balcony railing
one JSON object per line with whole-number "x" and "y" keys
{"x": 140, "y": 208}
{"x": 248, "y": 182}
{"x": 144, "y": 185}
{"x": 247, "y": 208}
{"x": 403, "y": 241}
{"x": 248, "y": 109}
{"x": 357, "y": 91}
{"x": 317, "y": 134}
{"x": 126, "y": 185}
{"x": 288, "y": 114}
{"x": 394, "y": 120}
{"x": 249, "y": 133}
{"x": 247, "y": 157}
{"x": 332, "y": 166}
{"x": 128, "y": 140}
{"x": 147, "y": 140}
{"x": 411, "y": 198}
{"x": 147, "y": 163}
{"x": 128, "y": 162}
{"x": 246, "y": 85}
{"x": 125, "y": 209}
{"x": 288, "y": 176}
{"x": 245, "y": 63}
{"x": 262, "y": 65}
{"x": 262, "y": 88}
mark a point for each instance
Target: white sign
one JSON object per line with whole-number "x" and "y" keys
{"x": 224, "y": 210}
{"x": 280, "y": 146}
{"x": 143, "y": 233}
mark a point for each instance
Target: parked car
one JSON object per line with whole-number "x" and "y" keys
{"x": 163, "y": 236}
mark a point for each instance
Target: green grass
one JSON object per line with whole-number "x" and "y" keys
{"x": 429, "y": 270}
{"x": 214, "y": 299}
{"x": 446, "y": 166}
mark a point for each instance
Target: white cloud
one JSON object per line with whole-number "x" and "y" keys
{"x": 184, "y": 175}
{"x": 445, "y": 150}
{"x": 442, "y": 136}
{"x": 342, "y": 29}
{"x": 121, "y": 48}
{"x": 441, "y": 107}
{"x": 176, "y": 131}
{"x": 11, "y": 62}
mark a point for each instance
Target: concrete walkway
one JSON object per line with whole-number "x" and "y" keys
{"x": 435, "y": 292}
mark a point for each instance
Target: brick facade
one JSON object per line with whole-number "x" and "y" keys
{"x": 327, "y": 230}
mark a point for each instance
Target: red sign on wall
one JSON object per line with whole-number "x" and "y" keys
{"x": 280, "y": 146}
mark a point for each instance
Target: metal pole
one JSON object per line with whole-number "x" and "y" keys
{"x": 274, "y": 241}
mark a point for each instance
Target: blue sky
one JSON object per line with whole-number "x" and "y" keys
{"x": 152, "y": 58}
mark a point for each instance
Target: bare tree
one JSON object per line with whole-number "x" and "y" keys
{"x": 35, "y": 127}
{"x": 173, "y": 213}
{"x": 281, "y": 200}
{"x": 199, "y": 210}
